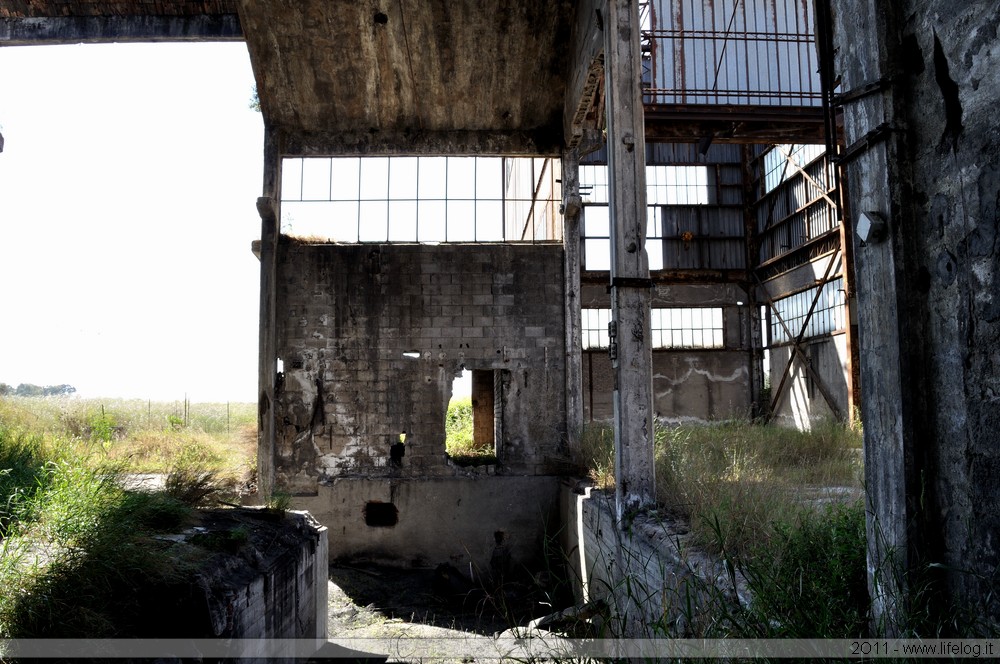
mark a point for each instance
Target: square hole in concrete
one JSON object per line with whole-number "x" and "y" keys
{"x": 381, "y": 515}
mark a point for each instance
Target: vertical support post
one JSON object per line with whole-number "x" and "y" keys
{"x": 571, "y": 208}
{"x": 890, "y": 328}
{"x": 853, "y": 359}
{"x": 630, "y": 283}
{"x": 267, "y": 207}
{"x": 755, "y": 337}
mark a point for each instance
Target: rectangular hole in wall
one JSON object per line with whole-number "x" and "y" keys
{"x": 381, "y": 515}
{"x": 472, "y": 423}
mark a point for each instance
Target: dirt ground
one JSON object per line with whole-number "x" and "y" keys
{"x": 372, "y": 602}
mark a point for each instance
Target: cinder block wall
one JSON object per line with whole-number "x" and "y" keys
{"x": 371, "y": 337}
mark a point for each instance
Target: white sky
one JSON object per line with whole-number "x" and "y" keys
{"x": 128, "y": 184}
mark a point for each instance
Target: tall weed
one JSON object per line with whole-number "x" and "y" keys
{"x": 732, "y": 480}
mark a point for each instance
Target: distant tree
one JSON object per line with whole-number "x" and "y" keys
{"x": 29, "y": 390}
{"x": 5, "y": 389}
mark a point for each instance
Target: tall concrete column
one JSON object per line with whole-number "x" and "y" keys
{"x": 630, "y": 283}
{"x": 572, "y": 206}
{"x": 919, "y": 81}
{"x": 267, "y": 207}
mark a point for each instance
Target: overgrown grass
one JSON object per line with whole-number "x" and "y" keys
{"x": 460, "y": 441}
{"x": 808, "y": 577}
{"x": 79, "y": 549}
{"x": 749, "y": 494}
{"x": 78, "y": 552}
{"x": 732, "y": 480}
{"x": 147, "y": 437}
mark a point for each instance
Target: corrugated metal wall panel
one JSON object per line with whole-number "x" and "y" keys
{"x": 717, "y": 238}
{"x": 796, "y": 211}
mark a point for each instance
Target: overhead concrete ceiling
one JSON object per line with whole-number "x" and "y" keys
{"x": 27, "y": 22}
{"x": 385, "y": 76}
{"x": 57, "y": 8}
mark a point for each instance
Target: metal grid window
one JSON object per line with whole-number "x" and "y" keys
{"x": 665, "y": 185}
{"x": 776, "y": 166}
{"x": 595, "y": 328}
{"x": 696, "y": 327}
{"x": 677, "y": 185}
{"x": 416, "y": 199}
{"x": 827, "y": 317}
{"x": 678, "y": 327}
{"x": 597, "y": 237}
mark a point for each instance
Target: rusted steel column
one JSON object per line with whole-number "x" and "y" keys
{"x": 630, "y": 283}
{"x": 571, "y": 274}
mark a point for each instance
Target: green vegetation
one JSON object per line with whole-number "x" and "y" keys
{"x": 79, "y": 549}
{"x": 732, "y": 480}
{"x": 749, "y": 493}
{"x": 29, "y": 390}
{"x": 460, "y": 442}
{"x": 807, "y": 576}
{"x": 147, "y": 437}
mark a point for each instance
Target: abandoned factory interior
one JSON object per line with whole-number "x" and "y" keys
{"x": 621, "y": 212}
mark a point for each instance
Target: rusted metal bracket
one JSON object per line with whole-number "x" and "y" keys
{"x": 864, "y": 90}
{"x": 865, "y": 143}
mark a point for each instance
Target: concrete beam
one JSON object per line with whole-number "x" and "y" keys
{"x": 98, "y": 29}
{"x": 420, "y": 142}
{"x": 630, "y": 283}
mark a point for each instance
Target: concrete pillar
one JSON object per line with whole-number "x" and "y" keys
{"x": 919, "y": 82}
{"x": 759, "y": 404}
{"x": 630, "y": 283}
{"x": 268, "y": 208}
{"x": 572, "y": 207}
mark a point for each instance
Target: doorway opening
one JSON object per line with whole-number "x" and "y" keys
{"x": 474, "y": 418}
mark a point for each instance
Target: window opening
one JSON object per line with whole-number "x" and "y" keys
{"x": 674, "y": 327}
{"x": 421, "y": 199}
{"x": 665, "y": 186}
{"x": 776, "y": 166}
{"x": 380, "y": 515}
{"x": 827, "y": 317}
{"x": 697, "y": 327}
{"x": 596, "y": 238}
{"x": 595, "y": 328}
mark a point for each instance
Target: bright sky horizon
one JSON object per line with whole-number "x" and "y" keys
{"x": 128, "y": 184}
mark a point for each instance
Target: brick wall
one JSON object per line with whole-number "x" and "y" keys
{"x": 347, "y": 314}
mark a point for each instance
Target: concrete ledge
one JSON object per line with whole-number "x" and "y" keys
{"x": 650, "y": 574}
{"x": 426, "y": 522}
